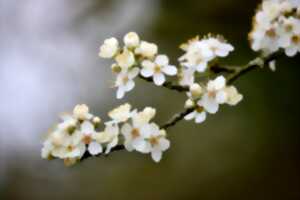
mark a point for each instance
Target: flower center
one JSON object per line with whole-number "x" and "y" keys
{"x": 212, "y": 94}
{"x": 87, "y": 139}
{"x": 289, "y": 28}
{"x": 199, "y": 109}
{"x": 271, "y": 33}
{"x": 157, "y": 69}
{"x": 135, "y": 133}
{"x": 125, "y": 79}
{"x": 296, "y": 39}
{"x": 70, "y": 148}
{"x": 153, "y": 141}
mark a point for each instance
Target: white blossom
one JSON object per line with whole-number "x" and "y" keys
{"x": 121, "y": 113}
{"x": 125, "y": 81}
{"x": 131, "y": 40}
{"x": 125, "y": 59}
{"x": 214, "y": 95}
{"x": 198, "y": 53}
{"x": 158, "y": 69}
{"x": 146, "y": 49}
{"x": 109, "y": 48}
{"x": 198, "y": 114}
{"x": 186, "y": 76}
{"x": 276, "y": 26}
{"x": 132, "y": 132}
{"x": 155, "y": 141}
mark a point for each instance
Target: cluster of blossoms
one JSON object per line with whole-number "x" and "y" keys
{"x": 199, "y": 54}
{"x": 136, "y": 57}
{"x": 276, "y": 26}
{"x": 79, "y": 134}
{"x": 206, "y": 99}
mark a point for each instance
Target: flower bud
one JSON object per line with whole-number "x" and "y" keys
{"x": 109, "y": 48}
{"x": 131, "y": 40}
{"x": 195, "y": 90}
{"x": 125, "y": 59}
{"x": 81, "y": 111}
{"x": 147, "y": 49}
{"x": 189, "y": 103}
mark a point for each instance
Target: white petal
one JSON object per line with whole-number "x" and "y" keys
{"x": 126, "y": 130}
{"x": 129, "y": 85}
{"x": 201, "y": 67}
{"x": 162, "y": 60}
{"x": 133, "y": 73}
{"x": 141, "y": 145}
{"x": 190, "y": 116}
{"x": 94, "y": 148}
{"x": 147, "y": 72}
{"x": 221, "y": 97}
{"x": 291, "y": 51}
{"x": 219, "y": 82}
{"x": 209, "y": 104}
{"x": 156, "y": 155}
{"x": 128, "y": 146}
{"x": 87, "y": 128}
{"x": 120, "y": 92}
{"x": 200, "y": 117}
{"x": 159, "y": 79}
{"x": 164, "y": 144}
{"x": 111, "y": 145}
{"x": 169, "y": 70}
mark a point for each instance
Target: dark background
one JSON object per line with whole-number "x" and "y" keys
{"x": 250, "y": 151}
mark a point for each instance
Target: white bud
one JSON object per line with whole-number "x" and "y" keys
{"x": 189, "y": 103}
{"x": 125, "y": 59}
{"x": 81, "y": 111}
{"x": 233, "y": 97}
{"x": 196, "y": 90}
{"x": 147, "y": 49}
{"x": 109, "y": 48}
{"x": 131, "y": 40}
{"x": 96, "y": 120}
{"x": 57, "y": 138}
{"x": 149, "y": 112}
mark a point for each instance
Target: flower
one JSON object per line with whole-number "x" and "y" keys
{"x": 132, "y": 133}
{"x": 276, "y": 26}
{"x": 121, "y": 113}
{"x": 219, "y": 48}
{"x": 109, "y": 48}
{"x": 198, "y": 53}
{"x": 186, "y": 76}
{"x": 81, "y": 112}
{"x": 214, "y": 95}
{"x": 195, "y": 91}
{"x": 124, "y": 81}
{"x": 198, "y": 114}
{"x": 131, "y": 40}
{"x": 155, "y": 141}
{"x": 158, "y": 69}
{"x": 125, "y": 59}
{"x": 89, "y": 136}
{"x": 233, "y": 97}
{"x": 146, "y": 49}
{"x": 110, "y": 135}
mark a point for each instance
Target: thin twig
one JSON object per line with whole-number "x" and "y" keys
{"x": 168, "y": 85}
{"x": 176, "y": 118}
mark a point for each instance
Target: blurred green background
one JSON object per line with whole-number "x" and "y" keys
{"x": 250, "y": 151}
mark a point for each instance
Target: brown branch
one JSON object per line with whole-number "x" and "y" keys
{"x": 168, "y": 85}
{"x": 176, "y": 118}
